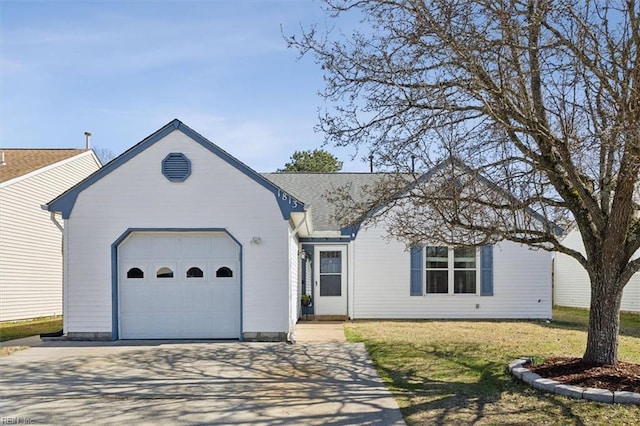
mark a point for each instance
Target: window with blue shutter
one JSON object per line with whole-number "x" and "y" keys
{"x": 486, "y": 272}
{"x": 176, "y": 167}
{"x": 416, "y": 271}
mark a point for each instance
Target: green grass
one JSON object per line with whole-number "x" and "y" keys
{"x": 10, "y": 330}
{"x": 576, "y": 318}
{"x": 454, "y": 372}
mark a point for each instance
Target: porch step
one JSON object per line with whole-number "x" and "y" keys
{"x": 325, "y": 317}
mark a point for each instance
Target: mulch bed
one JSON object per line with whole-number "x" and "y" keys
{"x": 573, "y": 371}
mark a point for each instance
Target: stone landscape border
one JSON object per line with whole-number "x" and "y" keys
{"x": 592, "y": 394}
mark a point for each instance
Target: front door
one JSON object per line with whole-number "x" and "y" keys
{"x": 330, "y": 281}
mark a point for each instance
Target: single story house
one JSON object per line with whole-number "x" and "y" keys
{"x": 572, "y": 287}
{"x": 176, "y": 238}
{"x": 30, "y": 238}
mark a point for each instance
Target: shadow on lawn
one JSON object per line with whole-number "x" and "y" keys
{"x": 483, "y": 392}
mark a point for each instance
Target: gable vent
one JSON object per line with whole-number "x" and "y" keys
{"x": 176, "y": 167}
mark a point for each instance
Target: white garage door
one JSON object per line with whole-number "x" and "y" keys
{"x": 179, "y": 285}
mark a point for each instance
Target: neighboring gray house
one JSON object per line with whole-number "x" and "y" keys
{"x": 176, "y": 238}
{"x": 30, "y": 240}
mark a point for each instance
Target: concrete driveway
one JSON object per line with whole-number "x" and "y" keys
{"x": 194, "y": 383}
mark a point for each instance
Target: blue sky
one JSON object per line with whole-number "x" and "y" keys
{"x": 123, "y": 69}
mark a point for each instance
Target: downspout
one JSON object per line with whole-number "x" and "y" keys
{"x": 292, "y": 324}
{"x": 55, "y": 222}
{"x": 61, "y": 229}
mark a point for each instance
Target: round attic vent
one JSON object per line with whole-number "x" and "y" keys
{"x": 176, "y": 167}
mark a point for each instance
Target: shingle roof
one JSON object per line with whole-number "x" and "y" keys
{"x": 19, "y": 162}
{"x": 312, "y": 189}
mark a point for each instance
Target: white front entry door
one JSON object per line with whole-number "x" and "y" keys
{"x": 330, "y": 281}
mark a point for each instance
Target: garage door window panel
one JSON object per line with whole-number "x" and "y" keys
{"x": 195, "y": 272}
{"x": 224, "y": 272}
{"x": 164, "y": 272}
{"x": 135, "y": 273}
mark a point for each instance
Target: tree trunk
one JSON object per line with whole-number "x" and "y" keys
{"x": 604, "y": 322}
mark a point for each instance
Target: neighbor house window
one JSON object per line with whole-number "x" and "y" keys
{"x": 450, "y": 270}
{"x": 195, "y": 272}
{"x": 164, "y": 272}
{"x": 135, "y": 273}
{"x": 224, "y": 272}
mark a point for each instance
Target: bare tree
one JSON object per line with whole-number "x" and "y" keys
{"x": 540, "y": 97}
{"x": 104, "y": 154}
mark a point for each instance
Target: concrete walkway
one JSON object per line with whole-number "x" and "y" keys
{"x": 156, "y": 382}
{"x": 320, "y": 332}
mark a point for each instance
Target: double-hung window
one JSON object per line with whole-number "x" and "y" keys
{"x": 437, "y": 269}
{"x": 450, "y": 270}
{"x": 464, "y": 270}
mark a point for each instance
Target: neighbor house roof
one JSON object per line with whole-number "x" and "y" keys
{"x": 19, "y": 162}
{"x": 313, "y": 189}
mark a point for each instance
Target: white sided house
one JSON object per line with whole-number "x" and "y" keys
{"x": 381, "y": 279}
{"x": 177, "y": 239}
{"x": 572, "y": 286}
{"x": 30, "y": 238}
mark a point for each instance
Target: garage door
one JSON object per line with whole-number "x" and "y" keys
{"x": 179, "y": 285}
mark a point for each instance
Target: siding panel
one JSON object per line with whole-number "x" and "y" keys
{"x": 572, "y": 286}
{"x": 294, "y": 283}
{"x": 521, "y": 284}
{"x": 31, "y": 244}
{"x": 215, "y": 195}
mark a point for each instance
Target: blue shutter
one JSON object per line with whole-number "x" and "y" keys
{"x": 416, "y": 271}
{"x": 486, "y": 272}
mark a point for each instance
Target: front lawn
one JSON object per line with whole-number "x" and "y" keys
{"x": 454, "y": 372}
{"x": 11, "y": 330}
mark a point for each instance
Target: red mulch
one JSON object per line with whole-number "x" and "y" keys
{"x": 573, "y": 371}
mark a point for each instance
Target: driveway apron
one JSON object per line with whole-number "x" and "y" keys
{"x": 194, "y": 383}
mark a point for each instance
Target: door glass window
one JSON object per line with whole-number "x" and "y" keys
{"x": 330, "y": 273}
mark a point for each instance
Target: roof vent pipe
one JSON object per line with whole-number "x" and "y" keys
{"x": 2, "y": 162}
{"x": 371, "y": 163}
{"x": 87, "y": 136}
{"x": 413, "y": 163}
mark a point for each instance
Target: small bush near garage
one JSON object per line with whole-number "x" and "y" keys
{"x": 10, "y": 330}
{"x": 454, "y": 372}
